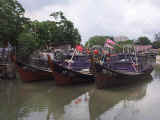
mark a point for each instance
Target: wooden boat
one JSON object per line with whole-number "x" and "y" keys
{"x": 120, "y": 73}
{"x": 77, "y": 73}
{"x": 31, "y": 73}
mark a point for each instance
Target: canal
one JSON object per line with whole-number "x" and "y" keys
{"x": 45, "y": 101}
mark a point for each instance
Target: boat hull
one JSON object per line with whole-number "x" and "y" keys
{"x": 28, "y": 74}
{"x": 106, "y": 78}
{"x": 64, "y": 76}
{"x": 66, "y": 79}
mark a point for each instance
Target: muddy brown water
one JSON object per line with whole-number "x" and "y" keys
{"x": 45, "y": 101}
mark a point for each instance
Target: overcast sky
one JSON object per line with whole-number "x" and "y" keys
{"x": 132, "y": 18}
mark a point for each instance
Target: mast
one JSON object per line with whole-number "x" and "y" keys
{"x": 136, "y": 58}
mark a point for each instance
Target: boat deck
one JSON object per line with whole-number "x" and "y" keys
{"x": 127, "y": 72}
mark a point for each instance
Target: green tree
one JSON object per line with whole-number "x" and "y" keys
{"x": 156, "y": 44}
{"x": 11, "y": 20}
{"x": 26, "y": 45}
{"x": 66, "y": 32}
{"x": 44, "y": 32}
{"x": 58, "y": 31}
{"x": 97, "y": 40}
{"x": 143, "y": 41}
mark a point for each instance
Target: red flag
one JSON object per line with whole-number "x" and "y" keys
{"x": 95, "y": 52}
{"x": 79, "y": 48}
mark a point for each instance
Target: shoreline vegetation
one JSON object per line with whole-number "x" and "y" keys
{"x": 27, "y": 36}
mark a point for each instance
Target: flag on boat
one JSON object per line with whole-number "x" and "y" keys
{"x": 109, "y": 41}
{"x": 109, "y": 46}
{"x": 79, "y": 48}
{"x": 95, "y": 52}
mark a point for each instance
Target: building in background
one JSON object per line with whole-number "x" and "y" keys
{"x": 120, "y": 38}
{"x": 143, "y": 48}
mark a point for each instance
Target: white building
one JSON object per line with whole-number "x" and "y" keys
{"x": 120, "y": 38}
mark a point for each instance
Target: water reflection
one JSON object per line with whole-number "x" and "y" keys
{"x": 156, "y": 72}
{"x": 45, "y": 101}
{"x": 78, "y": 109}
{"x": 68, "y": 102}
{"x": 102, "y": 101}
